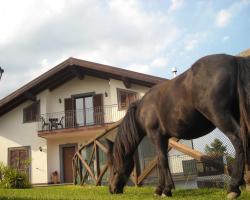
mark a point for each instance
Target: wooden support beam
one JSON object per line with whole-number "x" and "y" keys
{"x": 185, "y": 149}
{"x": 198, "y": 155}
{"x": 151, "y": 165}
{"x": 126, "y": 82}
{"x": 89, "y": 163}
{"x": 87, "y": 167}
{"x": 30, "y": 96}
{"x": 59, "y": 81}
{"x": 74, "y": 170}
{"x": 102, "y": 147}
{"x": 97, "y": 161}
{"x": 77, "y": 72}
{"x": 103, "y": 171}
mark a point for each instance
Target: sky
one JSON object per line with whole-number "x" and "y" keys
{"x": 149, "y": 36}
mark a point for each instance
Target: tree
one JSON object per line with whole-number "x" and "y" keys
{"x": 216, "y": 148}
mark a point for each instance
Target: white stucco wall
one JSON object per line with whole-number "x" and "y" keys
{"x": 76, "y": 86}
{"x": 114, "y": 84}
{"x": 15, "y": 133}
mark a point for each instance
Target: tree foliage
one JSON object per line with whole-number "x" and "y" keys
{"x": 216, "y": 148}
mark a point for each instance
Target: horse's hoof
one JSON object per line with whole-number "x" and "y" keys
{"x": 166, "y": 194}
{"x": 233, "y": 195}
{"x": 158, "y": 192}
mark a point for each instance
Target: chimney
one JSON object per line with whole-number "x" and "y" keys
{"x": 174, "y": 71}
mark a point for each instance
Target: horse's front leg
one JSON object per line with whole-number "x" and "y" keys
{"x": 166, "y": 183}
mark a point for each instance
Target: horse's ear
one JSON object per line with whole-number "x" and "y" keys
{"x": 110, "y": 145}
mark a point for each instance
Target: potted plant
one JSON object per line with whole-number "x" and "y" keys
{"x": 55, "y": 177}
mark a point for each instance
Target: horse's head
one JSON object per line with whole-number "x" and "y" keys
{"x": 119, "y": 170}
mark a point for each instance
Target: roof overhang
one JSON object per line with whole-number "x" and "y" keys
{"x": 66, "y": 71}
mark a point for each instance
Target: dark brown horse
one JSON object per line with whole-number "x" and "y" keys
{"x": 214, "y": 92}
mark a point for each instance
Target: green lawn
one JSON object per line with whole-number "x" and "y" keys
{"x": 101, "y": 193}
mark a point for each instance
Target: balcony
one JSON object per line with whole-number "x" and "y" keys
{"x": 91, "y": 117}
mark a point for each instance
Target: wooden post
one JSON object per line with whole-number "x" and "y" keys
{"x": 86, "y": 166}
{"x": 97, "y": 161}
{"x": 99, "y": 180}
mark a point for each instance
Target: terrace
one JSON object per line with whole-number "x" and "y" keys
{"x": 79, "y": 119}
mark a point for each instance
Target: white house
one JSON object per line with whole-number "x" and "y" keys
{"x": 49, "y": 118}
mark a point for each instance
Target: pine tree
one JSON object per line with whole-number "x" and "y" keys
{"x": 216, "y": 148}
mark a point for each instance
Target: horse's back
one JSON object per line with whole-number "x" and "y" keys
{"x": 183, "y": 107}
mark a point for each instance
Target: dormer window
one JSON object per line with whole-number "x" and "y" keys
{"x": 32, "y": 112}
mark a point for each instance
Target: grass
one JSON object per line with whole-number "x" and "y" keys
{"x": 101, "y": 193}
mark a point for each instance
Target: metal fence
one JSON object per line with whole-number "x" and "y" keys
{"x": 79, "y": 118}
{"x": 190, "y": 173}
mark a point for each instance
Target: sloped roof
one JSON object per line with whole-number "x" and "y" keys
{"x": 66, "y": 71}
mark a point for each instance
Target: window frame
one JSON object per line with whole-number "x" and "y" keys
{"x": 127, "y": 92}
{"x": 26, "y": 148}
{"x": 29, "y": 109}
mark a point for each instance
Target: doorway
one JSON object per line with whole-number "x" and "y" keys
{"x": 84, "y": 111}
{"x": 67, "y": 152}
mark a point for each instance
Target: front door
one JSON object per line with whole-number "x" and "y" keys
{"x": 67, "y": 155}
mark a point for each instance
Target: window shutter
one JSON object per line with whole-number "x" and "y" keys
{"x": 98, "y": 108}
{"x": 32, "y": 112}
{"x": 69, "y": 112}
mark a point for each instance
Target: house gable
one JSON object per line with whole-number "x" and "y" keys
{"x": 68, "y": 70}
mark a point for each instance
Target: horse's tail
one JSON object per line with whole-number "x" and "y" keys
{"x": 243, "y": 87}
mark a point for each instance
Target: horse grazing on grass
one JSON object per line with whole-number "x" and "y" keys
{"x": 214, "y": 92}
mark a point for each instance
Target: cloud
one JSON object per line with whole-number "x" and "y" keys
{"x": 139, "y": 68}
{"x": 225, "y": 16}
{"x": 160, "y": 62}
{"x": 156, "y": 63}
{"x": 43, "y": 33}
{"x": 176, "y": 4}
{"x": 192, "y": 41}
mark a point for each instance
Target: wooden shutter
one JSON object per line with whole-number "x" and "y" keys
{"x": 23, "y": 158}
{"x": 32, "y": 112}
{"x": 98, "y": 109}
{"x": 19, "y": 159}
{"x": 14, "y": 158}
{"x": 69, "y": 112}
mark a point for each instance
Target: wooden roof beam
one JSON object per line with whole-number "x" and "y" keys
{"x": 126, "y": 82}
{"x": 30, "y": 96}
{"x": 77, "y": 72}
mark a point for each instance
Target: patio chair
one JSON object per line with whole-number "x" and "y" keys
{"x": 60, "y": 123}
{"x": 44, "y": 124}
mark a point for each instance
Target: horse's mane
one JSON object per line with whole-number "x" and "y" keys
{"x": 127, "y": 138}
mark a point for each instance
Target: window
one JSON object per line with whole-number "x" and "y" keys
{"x": 32, "y": 112}
{"x": 125, "y": 98}
{"x": 19, "y": 158}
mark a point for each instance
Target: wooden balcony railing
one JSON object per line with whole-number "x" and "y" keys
{"x": 78, "y": 118}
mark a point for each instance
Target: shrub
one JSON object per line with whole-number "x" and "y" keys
{"x": 12, "y": 178}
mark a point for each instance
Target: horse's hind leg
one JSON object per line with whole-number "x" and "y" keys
{"x": 165, "y": 181}
{"x": 228, "y": 125}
